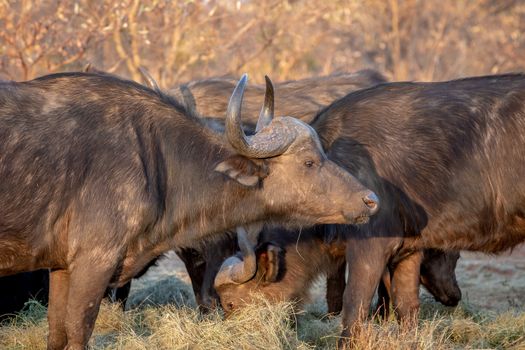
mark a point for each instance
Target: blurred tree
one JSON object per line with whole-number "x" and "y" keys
{"x": 185, "y": 40}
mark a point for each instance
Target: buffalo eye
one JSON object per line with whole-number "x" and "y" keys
{"x": 309, "y": 163}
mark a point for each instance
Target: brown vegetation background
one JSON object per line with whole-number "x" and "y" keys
{"x": 186, "y": 40}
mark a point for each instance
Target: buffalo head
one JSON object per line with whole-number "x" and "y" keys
{"x": 284, "y": 159}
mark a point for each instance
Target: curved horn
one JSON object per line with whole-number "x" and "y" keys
{"x": 152, "y": 83}
{"x": 268, "y": 143}
{"x": 266, "y": 115}
{"x": 248, "y": 269}
{"x": 234, "y": 131}
{"x": 236, "y": 271}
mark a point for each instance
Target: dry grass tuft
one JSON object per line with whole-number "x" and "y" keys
{"x": 260, "y": 326}
{"x": 27, "y": 330}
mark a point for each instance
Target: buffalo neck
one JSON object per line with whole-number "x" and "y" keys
{"x": 200, "y": 202}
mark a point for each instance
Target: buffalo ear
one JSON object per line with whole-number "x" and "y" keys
{"x": 243, "y": 170}
{"x": 269, "y": 262}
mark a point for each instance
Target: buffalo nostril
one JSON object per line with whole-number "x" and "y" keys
{"x": 371, "y": 201}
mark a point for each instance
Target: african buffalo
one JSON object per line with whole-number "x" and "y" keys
{"x": 288, "y": 262}
{"x": 101, "y": 175}
{"x": 435, "y": 166}
{"x": 446, "y": 159}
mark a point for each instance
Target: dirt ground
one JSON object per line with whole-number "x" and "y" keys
{"x": 488, "y": 282}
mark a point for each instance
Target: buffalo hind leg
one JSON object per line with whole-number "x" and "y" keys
{"x": 335, "y": 288}
{"x": 367, "y": 259}
{"x": 87, "y": 284}
{"x": 56, "y": 312}
{"x": 405, "y": 289}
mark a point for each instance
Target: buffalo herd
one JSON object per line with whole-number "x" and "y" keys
{"x": 375, "y": 185}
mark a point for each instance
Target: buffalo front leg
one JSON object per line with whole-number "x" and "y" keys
{"x": 87, "y": 284}
{"x": 209, "y": 297}
{"x": 335, "y": 288}
{"x": 196, "y": 267}
{"x": 405, "y": 288}
{"x": 56, "y": 312}
{"x": 367, "y": 259}
{"x": 382, "y": 309}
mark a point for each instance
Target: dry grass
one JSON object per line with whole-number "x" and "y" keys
{"x": 159, "y": 324}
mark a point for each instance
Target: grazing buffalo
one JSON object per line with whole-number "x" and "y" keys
{"x": 289, "y": 262}
{"x": 447, "y": 161}
{"x": 101, "y": 175}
